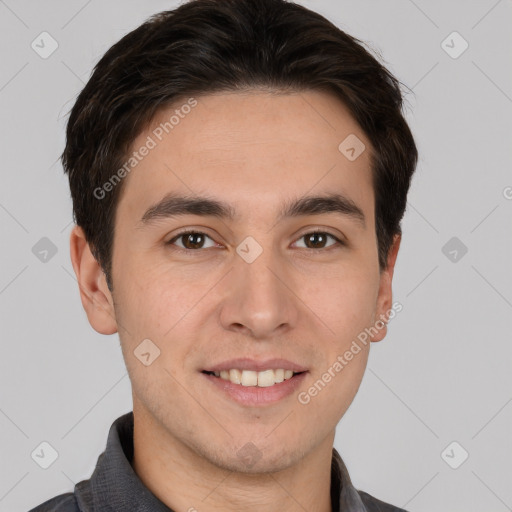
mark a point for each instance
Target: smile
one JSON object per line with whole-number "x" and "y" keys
{"x": 248, "y": 378}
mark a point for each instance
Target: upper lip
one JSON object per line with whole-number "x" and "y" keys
{"x": 245, "y": 363}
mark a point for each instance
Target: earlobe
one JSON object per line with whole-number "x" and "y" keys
{"x": 94, "y": 293}
{"x": 385, "y": 296}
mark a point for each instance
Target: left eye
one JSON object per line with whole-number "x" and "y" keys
{"x": 319, "y": 237}
{"x": 193, "y": 239}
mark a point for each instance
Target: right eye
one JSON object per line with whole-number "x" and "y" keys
{"x": 191, "y": 239}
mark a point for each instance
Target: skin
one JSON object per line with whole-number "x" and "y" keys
{"x": 253, "y": 150}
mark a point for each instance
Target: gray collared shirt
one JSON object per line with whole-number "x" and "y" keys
{"x": 115, "y": 487}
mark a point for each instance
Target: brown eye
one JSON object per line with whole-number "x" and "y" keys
{"x": 191, "y": 240}
{"x": 316, "y": 240}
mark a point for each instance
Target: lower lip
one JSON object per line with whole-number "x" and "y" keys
{"x": 255, "y": 395}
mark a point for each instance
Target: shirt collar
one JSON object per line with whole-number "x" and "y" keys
{"x": 114, "y": 485}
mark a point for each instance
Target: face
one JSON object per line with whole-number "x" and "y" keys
{"x": 257, "y": 286}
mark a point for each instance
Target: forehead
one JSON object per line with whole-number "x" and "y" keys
{"x": 254, "y": 149}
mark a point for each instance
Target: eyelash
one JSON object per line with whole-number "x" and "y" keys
{"x": 195, "y": 232}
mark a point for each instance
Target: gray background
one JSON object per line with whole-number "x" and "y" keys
{"x": 443, "y": 373}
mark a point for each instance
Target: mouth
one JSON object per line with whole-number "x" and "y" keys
{"x": 250, "y": 388}
{"x": 250, "y": 378}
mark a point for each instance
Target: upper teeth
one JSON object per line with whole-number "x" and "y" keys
{"x": 251, "y": 378}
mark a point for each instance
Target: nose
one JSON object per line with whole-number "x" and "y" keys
{"x": 259, "y": 300}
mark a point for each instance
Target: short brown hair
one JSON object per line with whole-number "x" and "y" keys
{"x": 207, "y": 46}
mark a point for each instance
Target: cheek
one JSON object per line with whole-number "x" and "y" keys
{"x": 345, "y": 301}
{"x": 153, "y": 316}
{"x": 345, "y": 307}
{"x": 163, "y": 306}
{"x": 329, "y": 394}
{"x": 152, "y": 298}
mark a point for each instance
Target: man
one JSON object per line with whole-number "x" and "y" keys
{"x": 239, "y": 171}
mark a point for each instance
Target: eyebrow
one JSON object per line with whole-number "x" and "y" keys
{"x": 173, "y": 205}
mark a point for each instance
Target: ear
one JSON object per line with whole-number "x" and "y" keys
{"x": 385, "y": 295}
{"x": 94, "y": 293}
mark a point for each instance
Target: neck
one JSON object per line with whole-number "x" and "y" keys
{"x": 186, "y": 481}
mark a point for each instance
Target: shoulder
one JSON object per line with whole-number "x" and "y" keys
{"x": 62, "y": 503}
{"x": 374, "y": 505}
